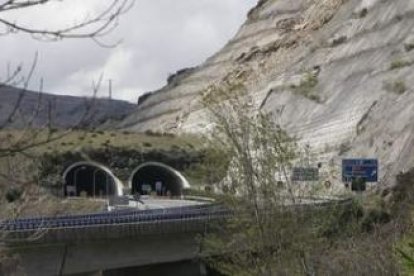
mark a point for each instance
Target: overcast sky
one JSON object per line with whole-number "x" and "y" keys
{"x": 159, "y": 38}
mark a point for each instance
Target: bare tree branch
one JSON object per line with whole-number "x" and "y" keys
{"x": 94, "y": 28}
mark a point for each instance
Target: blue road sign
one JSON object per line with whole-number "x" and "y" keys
{"x": 366, "y": 169}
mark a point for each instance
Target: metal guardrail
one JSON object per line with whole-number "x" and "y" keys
{"x": 113, "y": 218}
{"x": 133, "y": 222}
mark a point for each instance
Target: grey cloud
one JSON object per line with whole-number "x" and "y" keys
{"x": 159, "y": 38}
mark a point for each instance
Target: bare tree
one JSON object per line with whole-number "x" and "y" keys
{"x": 17, "y": 148}
{"x": 274, "y": 229}
{"x": 259, "y": 149}
{"x": 260, "y": 152}
{"x": 93, "y": 27}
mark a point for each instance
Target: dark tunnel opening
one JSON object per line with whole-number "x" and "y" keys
{"x": 156, "y": 179}
{"x": 88, "y": 181}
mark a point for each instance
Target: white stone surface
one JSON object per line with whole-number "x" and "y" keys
{"x": 356, "y": 107}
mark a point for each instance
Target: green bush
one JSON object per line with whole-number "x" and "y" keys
{"x": 315, "y": 98}
{"x": 409, "y": 47}
{"x": 306, "y": 87}
{"x": 13, "y": 194}
{"x": 405, "y": 253}
{"x": 397, "y": 87}
{"x": 363, "y": 13}
{"x": 175, "y": 147}
{"x": 374, "y": 217}
{"x": 153, "y": 133}
{"x": 344, "y": 147}
{"x": 399, "y": 63}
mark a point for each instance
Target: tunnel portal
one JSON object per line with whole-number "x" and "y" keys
{"x": 159, "y": 179}
{"x": 90, "y": 180}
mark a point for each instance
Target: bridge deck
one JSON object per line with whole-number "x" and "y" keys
{"x": 123, "y": 223}
{"x": 117, "y": 224}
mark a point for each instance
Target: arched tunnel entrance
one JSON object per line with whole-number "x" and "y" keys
{"x": 91, "y": 180}
{"x": 158, "y": 178}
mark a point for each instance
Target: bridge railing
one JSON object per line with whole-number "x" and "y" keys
{"x": 110, "y": 218}
{"x": 131, "y": 223}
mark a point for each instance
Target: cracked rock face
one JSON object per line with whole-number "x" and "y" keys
{"x": 358, "y": 100}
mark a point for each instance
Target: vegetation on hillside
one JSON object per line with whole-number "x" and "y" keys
{"x": 267, "y": 235}
{"x": 122, "y": 151}
{"x": 95, "y": 139}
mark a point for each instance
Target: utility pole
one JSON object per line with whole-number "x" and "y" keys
{"x": 110, "y": 89}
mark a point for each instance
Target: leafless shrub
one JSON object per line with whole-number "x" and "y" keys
{"x": 272, "y": 231}
{"x": 17, "y": 175}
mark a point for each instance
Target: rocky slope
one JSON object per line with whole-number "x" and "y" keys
{"x": 39, "y": 110}
{"x": 336, "y": 73}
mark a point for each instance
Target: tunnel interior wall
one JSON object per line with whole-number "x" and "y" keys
{"x": 144, "y": 180}
{"x": 89, "y": 180}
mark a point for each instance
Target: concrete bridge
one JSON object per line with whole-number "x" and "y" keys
{"x": 85, "y": 244}
{"x": 68, "y": 245}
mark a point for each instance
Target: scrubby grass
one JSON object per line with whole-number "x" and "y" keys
{"x": 399, "y": 63}
{"x": 397, "y": 86}
{"x": 76, "y": 140}
{"x": 405, "y": 251}
{"x": 306, "y": 87}
{"x": 409, "y": 47}
{"x": 320, "y": 12}
{"x": 49, "y": 206}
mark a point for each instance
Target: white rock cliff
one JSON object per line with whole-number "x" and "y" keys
{"x": 337, "y": 74}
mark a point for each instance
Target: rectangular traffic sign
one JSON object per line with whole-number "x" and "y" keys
{"x": 366, "y": 169}
{"x": 305, "y": 174}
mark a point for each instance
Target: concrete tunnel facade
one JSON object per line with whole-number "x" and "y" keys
{"x": 90, "y": 179}
{"x": 146, "y": 177}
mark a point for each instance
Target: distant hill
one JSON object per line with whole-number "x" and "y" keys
{"x": 39, "y": 110}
